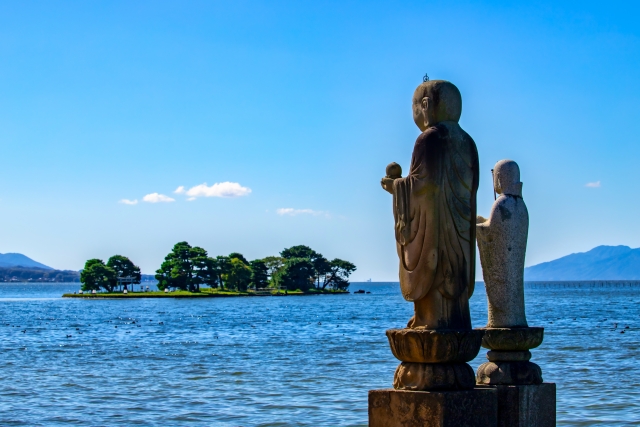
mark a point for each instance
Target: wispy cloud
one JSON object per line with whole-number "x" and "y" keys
{"x": 294, "y": 212}
{"x": 593, "y": 184}
{"x": 157, "y": 198}
{"x": 220, "y": 189}
{"x": 128, "y": 202}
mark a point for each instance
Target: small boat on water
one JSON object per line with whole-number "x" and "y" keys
{"x": 359, "y": 291}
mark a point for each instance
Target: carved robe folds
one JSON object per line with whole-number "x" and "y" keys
{"x": 435, "y": 209}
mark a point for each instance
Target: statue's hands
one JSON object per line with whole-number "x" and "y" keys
{"x": 387, "y": 184}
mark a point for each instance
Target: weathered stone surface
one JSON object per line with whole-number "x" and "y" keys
{"x": 502, "y": 240}
{"x": 434, "y": 209}
{"x": 494, "y": 373}
{"x": 508, "y": 356}
{"x": 433, "y": 376}
{"x": 421, "y": 345}
{"x": 527, "y": 405}
{"x": 399, "y": 408}
{"x": 512, "y": 339}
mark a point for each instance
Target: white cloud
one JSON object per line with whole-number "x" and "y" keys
{"x": 294, "y": 212}
{"x": 157, "y": 198}
{"x": 593, "y": 184}
{"x": 191, "y": 199}
{"x": 179, "y": 190}
{"x": 128, "y": 202}
{"x": 220, "y": 189}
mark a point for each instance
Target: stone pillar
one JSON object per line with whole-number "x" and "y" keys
{"x": 523, "y": 399}
{"x": 526, "y": 405}
{"x": 400, "y": 408}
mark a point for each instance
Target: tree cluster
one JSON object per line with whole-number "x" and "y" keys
{"x": 299, "y": 267}
{"x": 303, "y": 268}
{"x": 189, "y": 267}
{"x": 97, "y": 275}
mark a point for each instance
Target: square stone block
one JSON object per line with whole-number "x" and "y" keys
{"x": 402, "y": 408}
{"x": 527, "y": 405}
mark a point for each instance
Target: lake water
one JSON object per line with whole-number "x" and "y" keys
{"x": 280, "y": 361}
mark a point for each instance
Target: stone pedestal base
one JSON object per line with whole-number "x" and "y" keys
{"x": 526, "y": 405}
{"x": 401, "y": 408}
{"x": 509, "y": 357}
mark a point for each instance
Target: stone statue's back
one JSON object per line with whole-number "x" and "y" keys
{"x": 502, "y": 241}
{"x": 434, "y": 208}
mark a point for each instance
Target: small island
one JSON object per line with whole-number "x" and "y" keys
{"x": 188, "y": 272}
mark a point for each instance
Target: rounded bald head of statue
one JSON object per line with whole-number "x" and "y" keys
{"x": 506, "y": 178}
{"x": 436, "y": 101}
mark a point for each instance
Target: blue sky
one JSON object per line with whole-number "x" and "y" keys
{"x": 302, "y": 105}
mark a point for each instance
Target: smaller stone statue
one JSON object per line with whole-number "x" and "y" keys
{"x": 502, "y": 240}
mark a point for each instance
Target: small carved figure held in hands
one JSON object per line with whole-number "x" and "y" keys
{"x": 394, "y": 171}
{"x": 434, "y": 209}
{"x": 502, "y": 240}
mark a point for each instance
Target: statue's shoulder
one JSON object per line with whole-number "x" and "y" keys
{"x": 450, "y": 139}
{"x": 510, "y": 207}
{"x": 432, "y": 135}
{"x": 452, "y": 132}
{"x": 432, "y": 132}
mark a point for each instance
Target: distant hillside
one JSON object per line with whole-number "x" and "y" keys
{"x": 19, "y": 260}
{"x": 21, "y": 274}
{"x": 600, "y": 263}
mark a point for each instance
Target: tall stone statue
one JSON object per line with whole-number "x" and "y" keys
{"x": 502, "y": 240}
{"x": 434, "y": 208}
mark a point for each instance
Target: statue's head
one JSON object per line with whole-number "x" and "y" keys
{"x": 506, "y": 178}
{"x": 436, "y": 101}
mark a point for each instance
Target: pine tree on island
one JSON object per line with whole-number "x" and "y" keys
{"x": 97, "y": 275}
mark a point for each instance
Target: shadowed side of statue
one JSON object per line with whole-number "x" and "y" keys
{"x": 434, "y": 209}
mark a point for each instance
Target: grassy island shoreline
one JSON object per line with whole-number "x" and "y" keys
{"x": 204, "y": 293}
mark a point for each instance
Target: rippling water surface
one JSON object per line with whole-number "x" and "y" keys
{"x": 280, "y": 361}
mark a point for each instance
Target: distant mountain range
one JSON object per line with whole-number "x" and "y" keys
{"x": 600, "y": 263}
{"x": 20, "y": 268}
{"x": 19, "y": 260}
